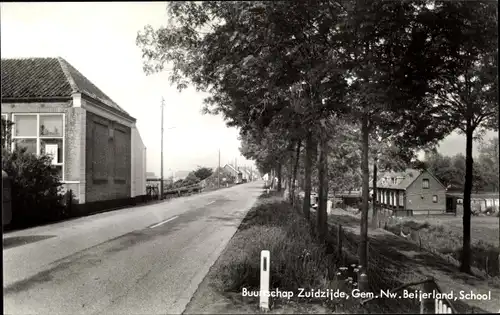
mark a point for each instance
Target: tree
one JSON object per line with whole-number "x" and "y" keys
{"x": 203, "y": 172}
{"x": 488, "y": 162}
{"x": 6, "y": 133}
{"x": 387, "y": 156}
{"x": 466, "y": 81}
{"x": 191, "y": 179}
{"x": 385, "y": 81}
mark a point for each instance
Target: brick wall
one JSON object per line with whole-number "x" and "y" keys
{"x": 108, "y": 159}
{"x": 422, "y": 198}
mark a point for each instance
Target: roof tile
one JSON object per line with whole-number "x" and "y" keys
{"x": 47, "y": 77}
{"x": 405, "y": 179}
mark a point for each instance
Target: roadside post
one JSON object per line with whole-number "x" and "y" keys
{"x": 265, "y": 263}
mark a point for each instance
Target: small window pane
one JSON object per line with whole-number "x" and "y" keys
{"x": 425, "y": 183}
{"x": 29, "y": 144}
{"x": 25, "y": 126}
{"x": 53, "y": 147}
{"x": 51, "y": 125}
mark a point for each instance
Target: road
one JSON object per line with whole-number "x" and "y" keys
{"x": 142, "y": 260}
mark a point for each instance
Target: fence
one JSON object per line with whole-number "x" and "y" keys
{"x": 486, "y": 263}
{"x": 384, "y": 272}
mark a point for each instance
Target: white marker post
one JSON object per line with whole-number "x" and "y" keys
{"x": 265, "y": 264}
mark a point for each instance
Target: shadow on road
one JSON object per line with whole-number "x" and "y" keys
{"x": 15, "y": 241}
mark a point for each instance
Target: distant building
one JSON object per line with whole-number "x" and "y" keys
{"x": 231, "y": 170}
{"x": 151, "y": 175}
{"x": 237, "y": 174}
{"x": 480, "y": 202}
{"x": 411, "y": 192}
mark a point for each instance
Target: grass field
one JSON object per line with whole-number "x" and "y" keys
{"x": 483, "y": 228}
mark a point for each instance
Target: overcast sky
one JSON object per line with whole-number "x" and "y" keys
{"x": 99, "y": 40}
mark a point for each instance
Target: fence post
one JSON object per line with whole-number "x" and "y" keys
{"x": 427, "y": 302}
{"x": 265, "y": 263}
{"x": 362, "y": 279}
{"x": 339, "y": 242}
{"x": 486, "y": 265}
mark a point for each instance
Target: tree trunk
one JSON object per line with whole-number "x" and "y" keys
{"x": 280, "y": 176}
{"x": 307, "y": 175}
{"x": 271, "y": 178}
{"x": 469, "y": 164}
{"x": 363, "y": 246}
{"x": 323, "y": 189}
{"x": 374, "y": 195}
{"x": 289, "y": 180}
{"x": 295, "y": 170}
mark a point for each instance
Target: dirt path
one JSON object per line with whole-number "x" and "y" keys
{"x": 394, "y": 256}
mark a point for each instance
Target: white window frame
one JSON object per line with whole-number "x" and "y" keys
{"x": 38, "y": 137}
{"x": 428, "y": 183}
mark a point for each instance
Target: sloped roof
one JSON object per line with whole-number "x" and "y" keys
{"x": 47, "y": 78}
{"x": 407, "y": 177}
{"x": 232, "y": 168}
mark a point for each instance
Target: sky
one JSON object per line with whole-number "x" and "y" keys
{"x": 98, "y": 39}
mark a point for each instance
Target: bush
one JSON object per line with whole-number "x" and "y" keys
{"x": 297, "y": 261}
{"x": 36, "y": 189}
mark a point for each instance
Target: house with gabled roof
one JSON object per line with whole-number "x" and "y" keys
{"x": 411, "y": 192}
{"x": 94, "y": 142}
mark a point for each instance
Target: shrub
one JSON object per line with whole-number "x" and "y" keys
{"x": 36, "y": 188}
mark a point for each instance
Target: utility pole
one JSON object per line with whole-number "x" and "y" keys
{"x": 218, "y": 173}
{"x": 161, "y": 175}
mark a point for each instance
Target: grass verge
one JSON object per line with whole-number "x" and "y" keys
{"x": 297, "y": 261}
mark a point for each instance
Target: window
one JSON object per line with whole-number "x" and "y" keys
{"x": 41, "y": 134}
{"x": 425, "y": 183}
{"x": 435, "y": 198}
{"x": 393, "y": 180}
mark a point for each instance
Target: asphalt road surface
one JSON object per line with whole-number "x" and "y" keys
{"x": 142, "y": 260}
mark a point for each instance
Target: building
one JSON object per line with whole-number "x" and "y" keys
{"x": 231, "y": 170}
{"x": 94, "y": 142}
{"x": 480, "y": 202}
{"x": 246, "y": 173}
{"x": 411, "y": 192}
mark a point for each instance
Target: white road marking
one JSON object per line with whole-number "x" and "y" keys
{"x": 210, "y": 202}
{"x": 163, "y": 222}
